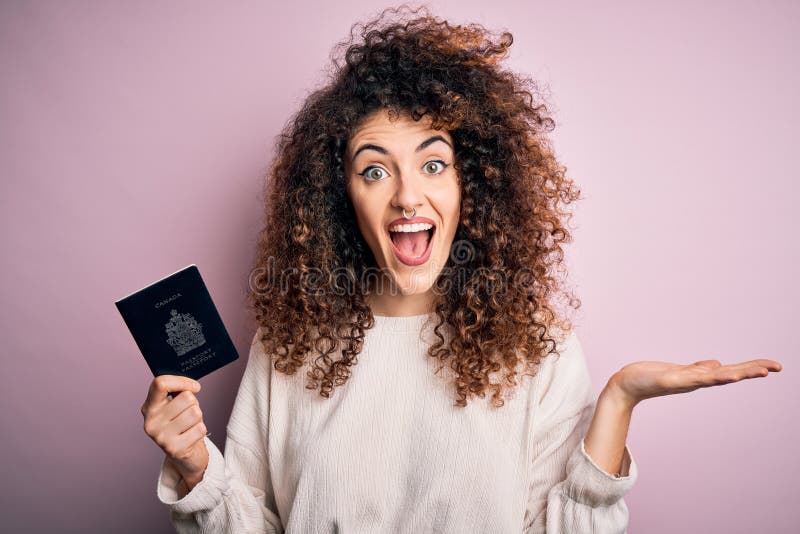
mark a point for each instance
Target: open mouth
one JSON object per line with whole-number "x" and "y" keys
{"x": 413, "y": 243}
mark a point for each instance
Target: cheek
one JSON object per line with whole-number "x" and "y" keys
{"x": 456, "y": 207}
{"x": 368, "y": 217}
{"x": 453, "y": 207}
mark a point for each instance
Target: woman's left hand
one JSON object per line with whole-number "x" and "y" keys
{"x": 643, "y": 380}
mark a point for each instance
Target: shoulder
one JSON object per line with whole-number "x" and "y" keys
{"x": 258, "y": 360}
{"x": 568, "y": 357}
{"x": 563, "y": 381}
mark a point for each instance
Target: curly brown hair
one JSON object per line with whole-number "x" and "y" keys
{"x": 500, "y": 306}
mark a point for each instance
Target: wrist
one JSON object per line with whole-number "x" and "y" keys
{"x": 613, "y": 394}
{"x": 191, "y": 480}
{"x": 189, "y": 477}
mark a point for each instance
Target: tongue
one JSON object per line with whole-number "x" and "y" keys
{"x": 411, "y": 243}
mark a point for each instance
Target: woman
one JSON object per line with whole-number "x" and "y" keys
{"x": 415, "y": 225}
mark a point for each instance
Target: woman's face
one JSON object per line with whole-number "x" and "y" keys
{"x": 404, "y": 164}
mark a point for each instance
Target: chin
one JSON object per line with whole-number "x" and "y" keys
{"x": 414, "y": 280}
{"x": 408, "y": 287}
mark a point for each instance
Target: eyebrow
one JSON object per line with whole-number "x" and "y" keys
{"x": 382, "y": 150}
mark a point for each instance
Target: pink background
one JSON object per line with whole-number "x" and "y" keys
{"x": 134, "y": 139}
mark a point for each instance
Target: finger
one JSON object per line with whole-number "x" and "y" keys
{"x": 191, "y": 436}
{"x": 183, "y": 401}
{"x": 772, "y": 365}
{"x": 163, "y": 384}
{"x": 187, "y": 419}
{"x": 753, "y": 372}
{"x": 736, "y": 375}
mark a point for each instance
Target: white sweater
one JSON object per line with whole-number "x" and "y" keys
{"x": 390, "y": 453}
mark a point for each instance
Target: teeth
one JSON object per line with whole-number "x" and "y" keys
{"x": 410, "y": 227}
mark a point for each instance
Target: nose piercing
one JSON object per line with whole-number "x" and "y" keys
{"x": 413, "y": 214}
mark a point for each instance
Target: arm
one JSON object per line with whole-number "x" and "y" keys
{"x": 235, "y": 494}
{"x": 569, "y": 491}
{"x": 605, "y": 440}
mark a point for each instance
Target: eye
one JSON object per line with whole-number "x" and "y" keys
{"x": 373, "y": 173}
{"x": 433, "y": 163}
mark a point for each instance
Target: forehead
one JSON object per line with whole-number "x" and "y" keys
{"x": 403, "y": 129}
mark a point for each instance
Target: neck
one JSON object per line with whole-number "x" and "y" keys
{"x": 400, "y": 305}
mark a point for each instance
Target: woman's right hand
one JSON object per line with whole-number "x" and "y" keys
{"x": 176, "y": 425}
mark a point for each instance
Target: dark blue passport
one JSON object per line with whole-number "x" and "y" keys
{"x": 177, "y": 327}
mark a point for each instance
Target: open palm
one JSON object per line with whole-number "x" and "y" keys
{"x": 643, "y": 380}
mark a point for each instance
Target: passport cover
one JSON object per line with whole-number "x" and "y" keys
{"x": 177, "y": 327}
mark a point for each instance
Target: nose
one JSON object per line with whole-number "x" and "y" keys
{"x": 408, "y": 193}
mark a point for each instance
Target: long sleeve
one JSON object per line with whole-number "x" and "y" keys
{"x": 235, "y": 494}
{"x": 569, "y": 492}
